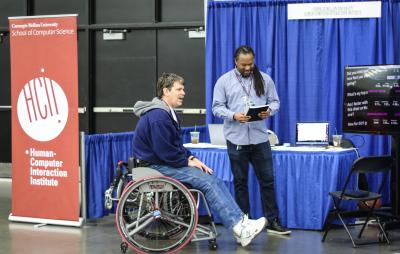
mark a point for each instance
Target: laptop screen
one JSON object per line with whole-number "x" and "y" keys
{"x": 217, "y": 136}
{"x": 312, "y": 133}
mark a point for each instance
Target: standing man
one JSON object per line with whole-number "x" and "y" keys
{"x": 247, "y": 141}
{"x": 157, "y": 143}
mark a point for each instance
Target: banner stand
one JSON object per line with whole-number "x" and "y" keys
{"x": 47, "y": 184}
{"x": 78, "y": 223}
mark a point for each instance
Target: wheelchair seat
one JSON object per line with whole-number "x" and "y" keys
{"x": 156, "y": 213}
{"x": 145, "y": 172}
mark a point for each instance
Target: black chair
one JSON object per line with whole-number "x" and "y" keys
{"x": 362, "y": 179}
{"x": 371, "y": 164}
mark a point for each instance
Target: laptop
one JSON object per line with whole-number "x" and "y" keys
{"x": 312, "y": 134}
{"x": 217, "y": 136}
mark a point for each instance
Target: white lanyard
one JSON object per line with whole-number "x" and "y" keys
{"x": 247, "y": 100}
{"x": 242, "y": 84}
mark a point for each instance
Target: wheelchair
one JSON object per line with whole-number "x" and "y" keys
{"x": 156, "y": 213}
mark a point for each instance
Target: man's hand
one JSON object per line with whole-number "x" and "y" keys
{"x": 240, "y": 117}
{"x": 264, "y": 114}
{"x": 200, "y": 165}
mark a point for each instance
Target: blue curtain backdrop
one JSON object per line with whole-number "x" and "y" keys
{"x": 305, "y": 58}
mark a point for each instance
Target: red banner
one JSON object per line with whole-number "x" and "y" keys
{"x": 44, "y": 99}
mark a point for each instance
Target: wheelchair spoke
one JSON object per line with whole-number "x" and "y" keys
{"x": 140, "y": 209}
{"x": 156, "y": 200}
{"x": 177, "y": 209}
{"x": 174, "y": 219}
{"x": 141, "y": 226}
{"x": 171, "y": 219}
{"x": 139, "y": 220}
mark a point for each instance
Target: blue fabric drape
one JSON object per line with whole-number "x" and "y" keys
{"x": 305, "y": 58}
{"x": 103, "y": 151}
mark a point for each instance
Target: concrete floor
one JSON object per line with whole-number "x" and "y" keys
{"x": 101, "y": 236}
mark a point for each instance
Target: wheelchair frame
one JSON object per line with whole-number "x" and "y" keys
{"x": 156, "y": 213}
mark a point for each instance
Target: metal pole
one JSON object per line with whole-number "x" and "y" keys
{"x": 83, "y": 177}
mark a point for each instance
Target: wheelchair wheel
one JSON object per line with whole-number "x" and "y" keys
{"x": 156, "y": 215}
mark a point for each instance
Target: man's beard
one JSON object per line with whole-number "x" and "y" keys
{"x": 247, "y": 74}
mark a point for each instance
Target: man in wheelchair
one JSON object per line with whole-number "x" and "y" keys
{"x": 158, "y": 144}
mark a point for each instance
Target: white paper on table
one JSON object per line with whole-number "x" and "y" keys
{"x": 203, "y": 145}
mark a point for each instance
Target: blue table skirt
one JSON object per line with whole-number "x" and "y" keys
{"x": 302, "y": 181}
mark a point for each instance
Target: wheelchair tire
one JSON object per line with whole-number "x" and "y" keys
{"x": 156, "y": 214}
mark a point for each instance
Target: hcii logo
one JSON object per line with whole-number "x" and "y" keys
{"x": 42, "y": 109}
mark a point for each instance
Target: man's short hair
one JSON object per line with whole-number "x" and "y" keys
{"x": 167, "y": 80}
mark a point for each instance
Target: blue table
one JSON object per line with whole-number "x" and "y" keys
{"x": 303, "y": 180}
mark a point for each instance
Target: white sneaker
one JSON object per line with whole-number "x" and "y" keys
{"x": 237, "y": 238}
{"x": 247, "y": 229}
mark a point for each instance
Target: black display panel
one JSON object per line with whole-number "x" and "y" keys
{"x": 372, "y": 99}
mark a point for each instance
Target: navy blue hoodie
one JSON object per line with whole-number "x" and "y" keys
{"x": 157, "y": 136}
